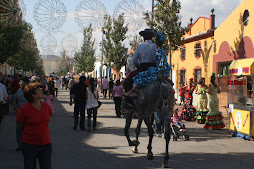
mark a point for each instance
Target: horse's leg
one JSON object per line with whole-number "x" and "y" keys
{"x": 140, "y": 119}
{"x": 167, "y": 139}
{"x": 150, "y": 132}
{"x": 129, "y": 116}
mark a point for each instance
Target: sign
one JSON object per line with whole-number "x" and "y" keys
{"x": 241, "y": 121}
{"x": 240, "y": 71}
{"x": 230, "y": 108}
{"x": 238, "y": 121}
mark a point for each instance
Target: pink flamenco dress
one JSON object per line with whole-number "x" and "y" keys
{"x": 49, "y": 100}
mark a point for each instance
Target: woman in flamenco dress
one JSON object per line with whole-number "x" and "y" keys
{"x": 214, "y": 119}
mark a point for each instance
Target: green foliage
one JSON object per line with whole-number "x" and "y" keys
{"x": 113, "y": 48}
{"x": 10, "y": 41}
{"x": 26, "y": 56}
{"x": 86, "y": 57}
{"x": 65, "y": 64}
{"x": 168, "y": 20}
{"x": 137, "y": 39}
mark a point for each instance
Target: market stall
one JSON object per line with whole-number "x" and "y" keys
{"x": 240, "y": 97}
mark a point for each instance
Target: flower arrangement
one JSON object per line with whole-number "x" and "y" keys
{"x": 203, "y": 91}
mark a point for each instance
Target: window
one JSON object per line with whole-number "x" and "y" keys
{"x": 182, "y": 55}
{"x": 183, "y": 76}
{"x": 197, "y": 75}
{"x": 198, "y": 50}
{"x": 246, "y": 16}
{"x": 223, "y": 68}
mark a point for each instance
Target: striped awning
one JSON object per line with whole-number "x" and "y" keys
{"x": 242, "y": 67}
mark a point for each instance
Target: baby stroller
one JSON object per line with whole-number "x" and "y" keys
{"x": 178, "y": 131}
{"x": 188, "y": 111}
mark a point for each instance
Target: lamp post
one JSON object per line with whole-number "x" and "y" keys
{"x": 152, "y": 9}
{"x": 101, "y": 58}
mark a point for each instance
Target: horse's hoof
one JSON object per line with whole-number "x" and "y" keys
{"x": 149, "y": 156}
{"x": 164, "y": 166}
{"x": 135, "y": 150}
{"x": 134, "y": 143}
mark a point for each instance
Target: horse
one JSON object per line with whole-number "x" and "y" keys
{"x": 156, "y": 96}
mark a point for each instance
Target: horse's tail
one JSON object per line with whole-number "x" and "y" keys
{"x": 166, "y": 95}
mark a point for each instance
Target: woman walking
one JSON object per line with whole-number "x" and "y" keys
{"x": 117, "y": 97}
{"x": 33, "y": 119}
{"x": 92, "y": 104}
{"x": 202, "y": 101}
{"x": 214, "y": 117}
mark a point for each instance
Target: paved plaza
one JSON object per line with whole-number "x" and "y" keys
{"x": 107, "y": 148}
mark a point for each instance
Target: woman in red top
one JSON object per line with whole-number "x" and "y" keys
{"x": 189, "y": 89}
{"x": 33, "y": 118}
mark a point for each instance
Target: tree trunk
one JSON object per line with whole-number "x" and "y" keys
{"x": 170, "y": 59}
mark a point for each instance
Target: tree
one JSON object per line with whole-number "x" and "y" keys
{"x": 10, "y": 41}
{"x": 168, "y": 20}
{"x": 86, "y": 57}
{"x": 65, "y": 63}
{"x": 135, "y": 41}
{"x": 27, "y": 54}
{"x": 113, "y": 48}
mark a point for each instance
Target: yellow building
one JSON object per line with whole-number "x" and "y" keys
{"x": 208, "y": 49}
{"x": 192, "y": 59}
{"x": 234, "y": 41}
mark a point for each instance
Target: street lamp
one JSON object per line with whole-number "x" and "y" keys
{"x": 154, "y": 10}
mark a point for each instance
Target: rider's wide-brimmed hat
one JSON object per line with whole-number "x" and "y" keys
{"x": 147, "y": 32}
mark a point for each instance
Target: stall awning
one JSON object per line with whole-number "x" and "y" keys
{"x": 242, "y": 67}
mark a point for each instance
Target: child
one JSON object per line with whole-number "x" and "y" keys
{"x": 182, "y": 93}
{"x": 49, "y": 99}
{"x": 175, "y": 120}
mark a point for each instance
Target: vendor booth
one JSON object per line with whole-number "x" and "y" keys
{"x": 240, "y": 97}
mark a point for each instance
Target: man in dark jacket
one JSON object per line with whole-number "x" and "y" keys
{"x": 111, "y": 86}
{"x": 79, "y": 92}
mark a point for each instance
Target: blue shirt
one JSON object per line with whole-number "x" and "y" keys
{"x": 144, "y": 53}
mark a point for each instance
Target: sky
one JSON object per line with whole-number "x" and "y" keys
{"x": 69, "y": 35}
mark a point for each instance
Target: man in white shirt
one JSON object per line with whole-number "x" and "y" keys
{"x": 105, "y": 85}
{"x": 3, "y": 99}
{"x": 57, "y": 85}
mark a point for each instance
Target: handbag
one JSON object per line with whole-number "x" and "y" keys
{"x": 99, "y": 102}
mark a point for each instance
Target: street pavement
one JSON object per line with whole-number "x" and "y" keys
{"x": 107, "y": 147}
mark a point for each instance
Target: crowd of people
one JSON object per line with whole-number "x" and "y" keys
{"x": 32, "y": 99}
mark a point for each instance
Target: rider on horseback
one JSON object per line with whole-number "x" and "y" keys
{"x": 158, "y": 67}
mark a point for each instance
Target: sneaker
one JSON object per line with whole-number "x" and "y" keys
{"x": 89, "y": 129}
{"x": 162, "y": 135}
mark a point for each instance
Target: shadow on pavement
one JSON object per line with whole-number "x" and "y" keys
{"x": 71, "y": 151}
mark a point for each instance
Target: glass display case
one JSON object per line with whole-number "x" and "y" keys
{"x": 237, "y": 93}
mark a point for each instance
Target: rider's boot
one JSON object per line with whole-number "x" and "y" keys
{"x": 133, "y": 92}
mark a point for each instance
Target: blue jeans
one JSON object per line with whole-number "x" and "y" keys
{"x": 179, "y": 125}
{"x": 89, "y": 114}
{"x": 158, "y": 125}
{"x": 31, "y": 152}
